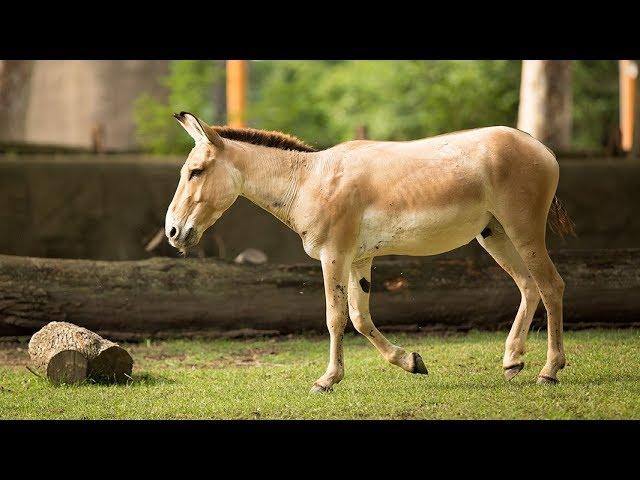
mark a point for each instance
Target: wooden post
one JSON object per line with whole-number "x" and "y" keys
{"x": 628, "y": 78}
{"x": 97, "y": 138}
{"x": 362, "y": 132}
{"x": 236, "y": 92}
{"x": 635, "y": 148}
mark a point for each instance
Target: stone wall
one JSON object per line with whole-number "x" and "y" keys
{"x": 108, "y": 206}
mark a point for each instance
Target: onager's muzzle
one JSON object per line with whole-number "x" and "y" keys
{"x": 181, "y": 234}
{"x": 182, "y": 238}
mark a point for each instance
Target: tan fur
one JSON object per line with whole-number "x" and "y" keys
{"x": 363, "y": 199}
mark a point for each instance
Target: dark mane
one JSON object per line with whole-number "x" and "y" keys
{"x": 264, "y": 137}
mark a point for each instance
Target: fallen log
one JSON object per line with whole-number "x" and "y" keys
{"x": 66, "y": 353}
{"x": 165, "y": 297}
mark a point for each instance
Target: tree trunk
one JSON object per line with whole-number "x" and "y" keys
{"x": 67, "y": 353}
{"x": 164, "y": 297}
{"x": 546, "y": 97}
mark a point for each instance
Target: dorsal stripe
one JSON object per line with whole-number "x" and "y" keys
{"x": 263, "y": 137}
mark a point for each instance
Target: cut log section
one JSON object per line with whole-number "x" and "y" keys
{"x": 66, "y": 353}
{"x": 163, "y": 297}
{"x": 67, "y": 366}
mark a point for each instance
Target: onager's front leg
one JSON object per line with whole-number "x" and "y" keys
{"x": 359, "y": 286}
{"x": 335, "y": 271}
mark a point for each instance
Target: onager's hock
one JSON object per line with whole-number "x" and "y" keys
{"x": 362, "y": 199}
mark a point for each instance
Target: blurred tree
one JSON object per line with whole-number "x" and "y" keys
{"x": 190, "y": 84}
{"x": 546, "y": 102}
{"x": 220, "y": 91}
{"x": 324, "y": 102}
{"x": 284, "y": 95}
{"x": 595, "y": 103}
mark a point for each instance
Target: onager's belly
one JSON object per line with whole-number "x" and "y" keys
{"x": 428, "y": 232}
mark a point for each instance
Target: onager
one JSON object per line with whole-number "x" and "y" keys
{"x": 362, "y": 199}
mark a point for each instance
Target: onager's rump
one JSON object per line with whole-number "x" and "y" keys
{"x": 363, "y": 199}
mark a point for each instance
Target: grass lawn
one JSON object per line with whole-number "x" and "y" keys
{"x": 270, "y": 378}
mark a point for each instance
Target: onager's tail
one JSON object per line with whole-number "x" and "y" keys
{"x": 559, "y": 220}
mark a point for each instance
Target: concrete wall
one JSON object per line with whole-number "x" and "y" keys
{"x": 61, "y": 102}
{"x": 107, "y": 207}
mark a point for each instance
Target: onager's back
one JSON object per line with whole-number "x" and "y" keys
{"x": 422, "y": 197}
{"x": 363, "y": 199}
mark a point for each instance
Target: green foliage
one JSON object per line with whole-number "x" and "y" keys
{"x": 284, "y": 96}
{"x": 323, "y": 102}
{"x": 190, "y": 84}
{"x": 595, "y": 102}
{"x": 270, "y": 378}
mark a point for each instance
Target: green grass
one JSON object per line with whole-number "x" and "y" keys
{"x": 270, "y": 378}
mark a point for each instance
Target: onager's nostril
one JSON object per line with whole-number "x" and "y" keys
{"x": 172, "y": 233}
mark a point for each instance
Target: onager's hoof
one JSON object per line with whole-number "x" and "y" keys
{"x": 317, "y": 389}
{"x": 513, "y": 370}
{"x": 544, "y": 380}
{"x": 418, "y": 364}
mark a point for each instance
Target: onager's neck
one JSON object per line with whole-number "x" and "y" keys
{"x": 272, "y": 177}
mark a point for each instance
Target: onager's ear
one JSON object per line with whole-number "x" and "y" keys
{"x": 199, "y": 130}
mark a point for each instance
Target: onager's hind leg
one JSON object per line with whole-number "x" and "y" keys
{"x": 495, "y": 241}
{"x": 528, "y": 237}
{"x": 359, "y": 286}
{"x": 521, "y": 198}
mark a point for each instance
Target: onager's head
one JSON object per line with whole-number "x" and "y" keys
{"x": 209, "y": 184}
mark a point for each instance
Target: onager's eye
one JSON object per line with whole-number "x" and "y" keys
{"x": 196, "y": 172}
